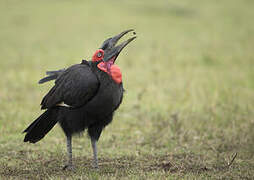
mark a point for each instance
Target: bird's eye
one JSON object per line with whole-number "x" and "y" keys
{"x": 99, "y": 54}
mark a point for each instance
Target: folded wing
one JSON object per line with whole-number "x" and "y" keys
{"x": 75, "y": 86}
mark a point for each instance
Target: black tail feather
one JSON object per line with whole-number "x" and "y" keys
{"x": 41, "y": 126}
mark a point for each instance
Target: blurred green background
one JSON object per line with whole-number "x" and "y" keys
{"x": 189, "y": 80}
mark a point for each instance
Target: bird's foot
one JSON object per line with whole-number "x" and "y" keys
{"x": 95, "y": 166}
{"x": 69, "y": 167}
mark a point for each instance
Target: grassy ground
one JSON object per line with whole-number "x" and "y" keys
{"x": 189, "y": 80}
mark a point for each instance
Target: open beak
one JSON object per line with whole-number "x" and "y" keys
{"x": 112, "y": 51}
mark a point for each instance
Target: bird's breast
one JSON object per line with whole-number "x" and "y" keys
{"x": 107, "y": 98}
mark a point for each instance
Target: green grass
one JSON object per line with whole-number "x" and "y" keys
{"x": 189, "y": 80}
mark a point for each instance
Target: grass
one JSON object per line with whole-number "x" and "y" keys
{"x": 189, "y": 80}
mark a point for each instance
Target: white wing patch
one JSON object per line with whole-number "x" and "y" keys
{"x": 63, "y": 104}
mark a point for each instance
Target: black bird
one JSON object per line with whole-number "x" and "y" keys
{"x": 85, "y": 96}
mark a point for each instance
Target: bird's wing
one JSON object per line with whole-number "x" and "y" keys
{"x": 74, "y": 87}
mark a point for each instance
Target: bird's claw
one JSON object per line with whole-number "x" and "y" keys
{"x": 95, "y": 166}
{"x": 68, "y": 167}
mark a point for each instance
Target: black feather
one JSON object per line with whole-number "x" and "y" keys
{"x": 52, "y": 75}
{"x": 41, "y": 126}
{"x": 58, "y": 72}
{"x": 48, "y": 78}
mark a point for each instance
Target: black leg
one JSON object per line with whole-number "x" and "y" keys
{"x": 94, "y": 146}
{"x": 69, "y": 154}
{"x": 94, "y": 133}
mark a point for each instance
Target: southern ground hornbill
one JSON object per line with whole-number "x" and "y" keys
{"x": 84, "y": 96}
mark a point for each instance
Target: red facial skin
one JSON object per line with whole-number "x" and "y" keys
{"x": 98, "y": 55}
{"x": 108, "y": 67}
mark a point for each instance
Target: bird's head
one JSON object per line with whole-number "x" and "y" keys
{"x": 108, "y": 52}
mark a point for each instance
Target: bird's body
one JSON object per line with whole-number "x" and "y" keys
{"x": 94, "y": 110}
{"x": 98, "y": 111}
{"x": 85, "y": 96}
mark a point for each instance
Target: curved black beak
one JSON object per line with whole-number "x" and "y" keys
{"x": 110, "y": 50}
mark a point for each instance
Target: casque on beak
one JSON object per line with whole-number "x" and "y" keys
{"x": 112, "y": 51}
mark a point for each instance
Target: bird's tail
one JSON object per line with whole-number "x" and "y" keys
{"x": 41, "y": 126}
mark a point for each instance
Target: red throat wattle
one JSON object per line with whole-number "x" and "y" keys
{"x": 112, "y": 70}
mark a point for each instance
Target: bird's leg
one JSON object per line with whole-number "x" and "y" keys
{"x": 69, "y": 154}
{"x": 93, "y": 142}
